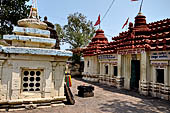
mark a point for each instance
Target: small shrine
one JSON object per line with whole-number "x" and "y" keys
{"x": 31, "y": 71}
{"x": 138, "y": 59}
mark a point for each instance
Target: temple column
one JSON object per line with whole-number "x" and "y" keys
{"x": 119, "y": 79}
{"x": 126, "y": 71}
{"x": 15, "y": 84}
{"x": 165, "y": 90}
{"x": 85, "y": 65}
{"x": 102, "y": 72}
{"x": 143, "y": 83}
{"x": 1, "y": 66}
{"x": 95, "y": 65}
{"x": 143, "y": 67}
{"x": 154, "y": 74}
{"x": 100, "y": 68}
{"x": 91, "y": 66}
{"x": 168, "y": 67}
{"x": 166, "y": 76}
{"x": 119, "y": 66}
{"x": 92, "y": 69}
{"x": 110, "y": 72}
{"x": 153, "y": 93}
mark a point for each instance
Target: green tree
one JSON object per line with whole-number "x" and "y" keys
{"x": 59, "y": 31}
{"x": 10, "y": 12}
{"x": 78, "y": 31}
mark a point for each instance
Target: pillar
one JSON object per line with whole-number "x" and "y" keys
{"x": 144, "y": 86}
{"x": 166, "y": 75}
{"x": 120, "y": 79}
{"x": 91, "y": 65}
{"x": 110, "y": 72}
{"x": 85, "y": 65}
{"x": 16, "y": 83}
{"x": 60, "y": 77}
{"x": 154, "y": 74}
{"x": 100, "y": 68}
{"x": 1, "y": 66}
{"x": 127, "y": 71}
{"x": 164, "y": 88}
{"x": 143, "y": 70}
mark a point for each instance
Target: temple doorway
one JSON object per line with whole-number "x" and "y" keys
{"x": 135, "y": 74}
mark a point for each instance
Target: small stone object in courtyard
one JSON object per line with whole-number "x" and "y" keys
{"x": 85, "y": 91}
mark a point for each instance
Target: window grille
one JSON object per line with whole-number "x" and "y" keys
{"x": 31, "y": 80}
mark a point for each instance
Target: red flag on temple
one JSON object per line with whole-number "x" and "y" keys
{"x": 98, "y": 21}
{"x": 125, "y": 23}
{"x": 134, "y": 0}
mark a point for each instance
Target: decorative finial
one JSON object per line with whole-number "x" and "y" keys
{"x": 33, "y": 11}
{"x": 140, "y": 8}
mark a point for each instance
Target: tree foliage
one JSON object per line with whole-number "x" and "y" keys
{"x": 59, "y": 31}
{"x": 78, "y": 31}
{"x": 10, "y": 12}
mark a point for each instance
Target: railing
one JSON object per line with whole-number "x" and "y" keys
{"x": 156, "y": 89}
{"x": 104, "y": 78}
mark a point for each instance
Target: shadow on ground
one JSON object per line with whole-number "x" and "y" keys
{"x": 147, "y": 104}
{"x": 117, "y": 106}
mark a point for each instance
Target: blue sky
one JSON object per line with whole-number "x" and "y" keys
{"x": 57, "y": 11}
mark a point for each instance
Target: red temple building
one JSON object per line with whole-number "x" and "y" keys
{"x": 137, "y": 59}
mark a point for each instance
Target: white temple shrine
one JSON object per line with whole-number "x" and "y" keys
{"x": 31, "y": 72}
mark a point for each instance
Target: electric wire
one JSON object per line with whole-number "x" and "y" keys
{"x": 110, "y": 6}
{"x": 108, "y": 10}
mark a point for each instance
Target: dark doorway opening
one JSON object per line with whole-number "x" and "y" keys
{"x": 106, "y": 69}
{"x": 135, "y": 74}
{"x": 160, "y": 75}
{"x": 115, "y": 70}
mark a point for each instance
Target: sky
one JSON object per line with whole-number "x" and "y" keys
{"x": 57, "y": 12}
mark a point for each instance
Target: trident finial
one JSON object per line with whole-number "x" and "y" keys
{"x": 140, "y": 7}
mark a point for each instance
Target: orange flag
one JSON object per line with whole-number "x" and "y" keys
{"x": 98, "y": 21}
{"x": 125, "y": 23}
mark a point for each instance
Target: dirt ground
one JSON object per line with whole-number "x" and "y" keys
{"x": 108, "y": 100}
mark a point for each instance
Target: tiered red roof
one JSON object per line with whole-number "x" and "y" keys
{"x": 135, "y": 37}
{"x": 153, "y": 36}
{"x": 160, "y": 35}
{"x": 98, "y": 45}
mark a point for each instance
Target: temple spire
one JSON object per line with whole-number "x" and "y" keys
{"x": 140, "y": 7}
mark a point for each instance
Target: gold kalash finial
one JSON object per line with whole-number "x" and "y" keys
{"x": 34, "y": 10}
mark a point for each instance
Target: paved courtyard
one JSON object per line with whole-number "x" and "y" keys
{"x": 108, "y": 100}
